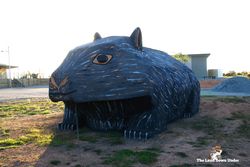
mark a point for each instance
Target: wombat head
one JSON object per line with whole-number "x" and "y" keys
{"x": 107, "y": 68}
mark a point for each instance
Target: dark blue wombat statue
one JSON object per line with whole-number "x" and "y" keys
{"x": 115, "y": 83}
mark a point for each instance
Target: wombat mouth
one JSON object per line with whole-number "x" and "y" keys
{"x": 112, "y": 114}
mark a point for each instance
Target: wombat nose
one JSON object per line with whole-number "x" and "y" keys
{"x": 55, "y": 85}
{"x": 64, "y": 82}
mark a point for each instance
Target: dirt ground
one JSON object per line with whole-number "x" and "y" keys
{"x": 210, "y": 83}
{"x": 221, "y": 121}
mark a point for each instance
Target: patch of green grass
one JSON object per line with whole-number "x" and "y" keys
{"x": 33, "y": 136}
{"x": 4, "y": 132}
{"x": 126, "y": 158}
{"x": 29, "y": 107}
{"x": 70, "y": 145}
{"x": 88, "y": 148}
{"x": 10, "y": 143}
{"x": 63, "y": 139}
{"x": 211, "y": 97}
{"x": 212, "y": 127}
{"x": 98, "y": 151}
{"x": 232, "y": 99}
{"x": 207, "y": 124}
{"x": 5, "y": 114}
{"x": 58, "y": 142}
{"x": 88, "y": 138}
{"x": 229, "y": 118}
{"x": 8, "y": 147}
{"x": 78, "y": 165}
{"x": 154, "y": 149}
{"x": 115, "y": 138}
{"x": 146, "y": 157}
{"x": 31, "y": 113}
{"x": 122, "y": 158}
{"x": 55, "y": 162}
{"x": 43, "y": 140}
{"x": 38, "y": 137}
{"x": 46, "y": 112}
{"x": 240, "y": 115}
{"x": 244, "y": 129}
{"x": 200, "y": 142}
{"x": 181, "y": 154}
{"x": 182, "y": 165}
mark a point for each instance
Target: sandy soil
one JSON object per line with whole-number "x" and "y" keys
{"x": 193, "y": 137}
{"x": 210, "y": 83}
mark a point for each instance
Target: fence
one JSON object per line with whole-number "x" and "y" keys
{"x": 4, "y": 83}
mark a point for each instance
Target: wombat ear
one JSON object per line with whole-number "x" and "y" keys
{"x": 136, "y": 38}
{"x": 97, "y": 36}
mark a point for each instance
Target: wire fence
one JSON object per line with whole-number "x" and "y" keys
{"x": 25, "y": 82}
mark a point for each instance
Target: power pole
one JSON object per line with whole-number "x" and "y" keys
{"x": 8, "y": 51}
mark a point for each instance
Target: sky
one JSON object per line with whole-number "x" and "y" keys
{"x": 40, "y": 33}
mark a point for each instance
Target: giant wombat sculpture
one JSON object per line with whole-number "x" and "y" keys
{"x": 115, "y": 83}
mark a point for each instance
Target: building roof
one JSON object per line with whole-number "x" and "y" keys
{"x": 199, "y": 55}
{"x": 7, "y": 66}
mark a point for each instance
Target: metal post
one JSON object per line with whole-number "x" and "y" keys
{"x": 77, "y": 125}
{"x": 10, "y": 81}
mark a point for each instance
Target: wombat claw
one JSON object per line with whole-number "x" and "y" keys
{"x": 64, "y": 126}
{"x": 136, "y": 135}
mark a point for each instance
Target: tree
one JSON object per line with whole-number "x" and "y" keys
{"x": 230, "y": 74}
{"x": 29, "y": 75}
{"x": 34, "y": 75}
{"x": 181, "y": 57}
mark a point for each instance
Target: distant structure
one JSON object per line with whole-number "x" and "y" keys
{"x": 215, "y": 73}
{"x": 198, "y": 63}
{"x": 3, "y": 69}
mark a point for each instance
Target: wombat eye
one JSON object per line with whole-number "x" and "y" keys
{"x": 102, "y": 59}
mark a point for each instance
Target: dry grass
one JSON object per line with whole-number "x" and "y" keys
{"x": 32, "y": 140}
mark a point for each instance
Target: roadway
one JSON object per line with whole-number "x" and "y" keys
{"x": 7, "y": 94}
